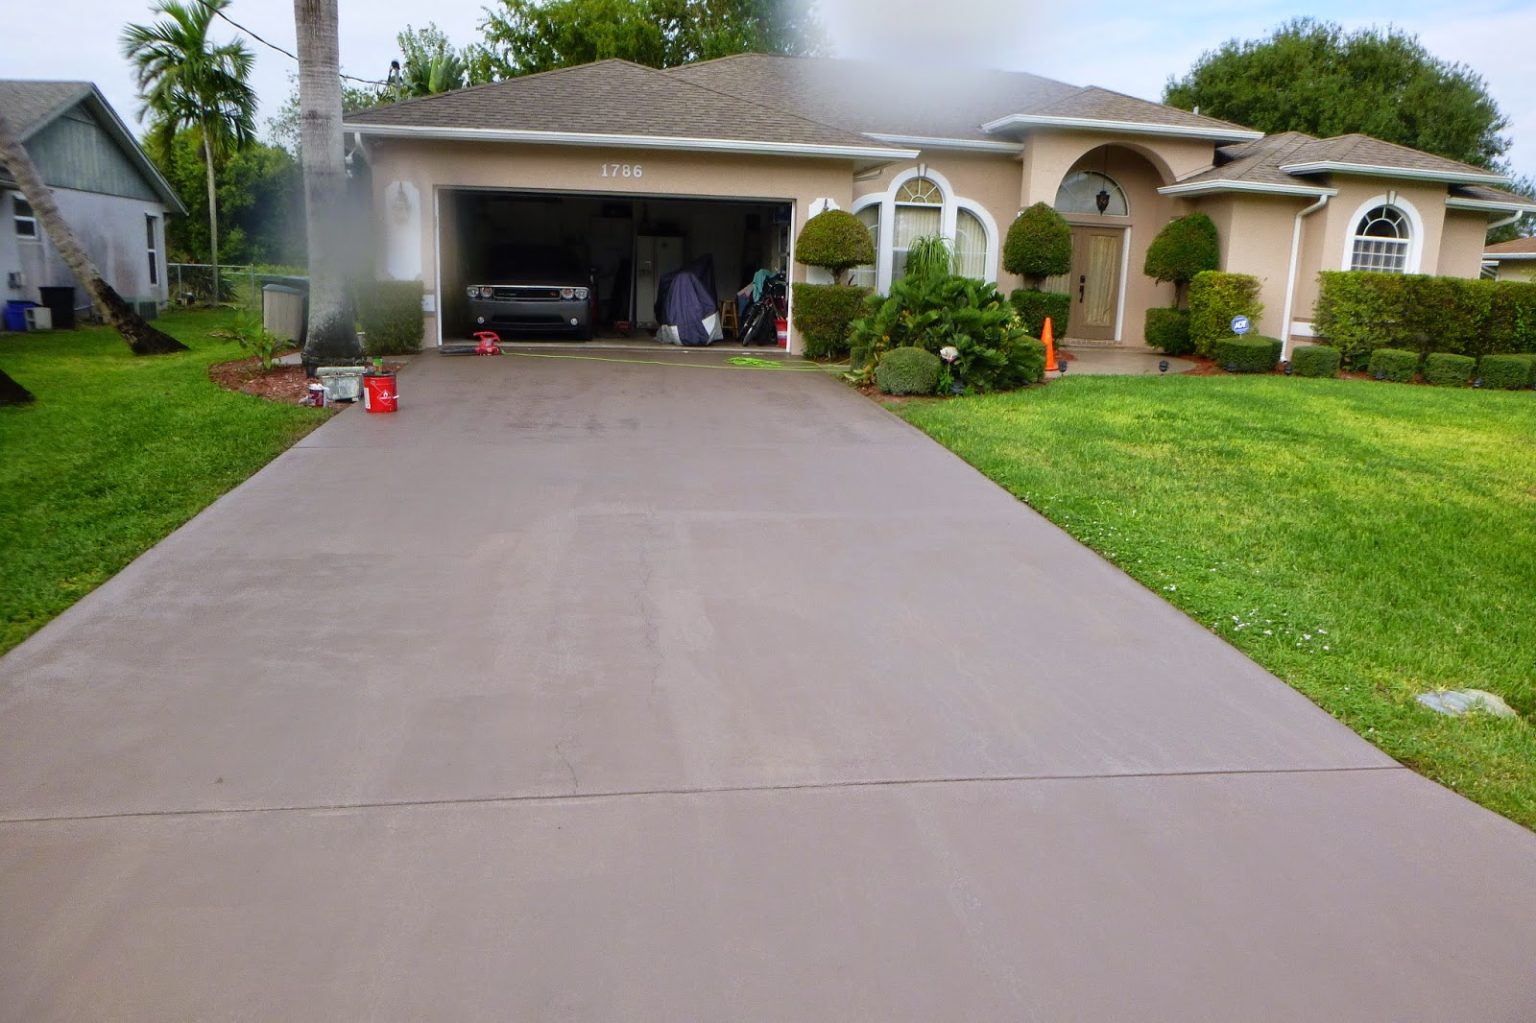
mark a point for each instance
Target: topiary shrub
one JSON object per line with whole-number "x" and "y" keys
{"x": 835, "y": 240}
{"x": 1184, "y": 247}
{"x": 1444, "y": 369}
{"x": 1039, "y": 245}
{"x": 1034, "y": 307}
{"x": 1395, "y": 364}
{"x": 390, "y": 315}
{"x": 822, "y": 315}
{"x": 1316, "y": 361}
{"x": 1168, "y": 330}
{"x": 1214, "y": 299}
{"x": 908, "y": 371}
{"x": 1251, "y": 353}
{"x": 1507, "y": 372}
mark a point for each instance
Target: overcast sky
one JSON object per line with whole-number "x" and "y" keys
{"x": 1132, "y": 47}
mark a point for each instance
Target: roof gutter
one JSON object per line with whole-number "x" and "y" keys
{"x": 1256, "y": 187}
{"x": 961, "y": 145}
{"x": 1014, "y": 122}
{"x": 1376, "y": 170}
{"x": 596, "y": 139}
{"x": 1290, "y": 276}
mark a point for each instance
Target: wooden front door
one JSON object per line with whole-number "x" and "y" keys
{"x": 1095, "y": 282}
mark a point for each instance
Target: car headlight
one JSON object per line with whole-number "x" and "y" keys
{"x": 581, "y": 293}
{"x": 567, "y": 292}
{"x": 487, "y": 292}
{"x": 474, "y": 292}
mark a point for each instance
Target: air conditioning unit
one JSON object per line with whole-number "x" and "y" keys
{"x": 39, "y": 317}
{"x": 147, "y": 308}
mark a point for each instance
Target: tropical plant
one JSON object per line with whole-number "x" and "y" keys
{"x": 332, "y": 329}
{"x": 1039, "y": 245}
{"x": 142, "y": 338}
{"x": 188, "y": 81}
{"x": 249, "y": 332}
{"x": 835, "y": 240}
{"x": 1184, "y": 247}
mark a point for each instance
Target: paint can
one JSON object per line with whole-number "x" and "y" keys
{"x": 316, "y": 396}
{"x": 379, "y": 394}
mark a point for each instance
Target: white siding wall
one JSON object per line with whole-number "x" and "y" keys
{"x": 112, "y": 230}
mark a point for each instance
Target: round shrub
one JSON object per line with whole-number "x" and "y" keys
{"x": 1251, "y": 353}
{"x": 1214, "y": 299}
{"x": 822, "y": 315}
{"x": 1443, "y": 369}
{"x": 1316, "y": 361}
{"x": 1034, "y": 307}
{"x": 1183, "y": 248}
{"x": 1039, "y": 244}
{"x": 834, "y": 240}
{"x": 1395, "y": 364}
{"x": 1168, "y": 330}
{"x": 908, "y": 371}
{"x": 1507, "y": 372}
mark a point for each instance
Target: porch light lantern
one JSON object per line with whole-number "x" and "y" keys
{"x": 1102, "y": 200}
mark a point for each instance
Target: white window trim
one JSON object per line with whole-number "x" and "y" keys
{"x": 1415, "y": 230}
{"x": 17, "y": 217}
{"x": 152, "y": 227}
{"x": 886, "y": 200}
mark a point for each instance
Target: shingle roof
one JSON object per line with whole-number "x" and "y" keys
{"x": 1364, "y": 151}
{"x": 1256, "y": 162}
{"x": 610, "y": 97}
{"x": 1517, "y": 246}
{"x": 28, "y": 106}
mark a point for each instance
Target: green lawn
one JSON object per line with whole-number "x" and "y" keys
{"x": 117, "y": 451}
{"x": 1364, "y": 541}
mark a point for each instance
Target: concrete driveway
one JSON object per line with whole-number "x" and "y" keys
{"x": 583, "y": 690}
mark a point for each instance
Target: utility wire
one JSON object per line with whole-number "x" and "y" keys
{"x": 291, "y": 56}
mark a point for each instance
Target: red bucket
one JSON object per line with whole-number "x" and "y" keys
{"x": 782, "y": 332}
{"x": 379, "y": 394}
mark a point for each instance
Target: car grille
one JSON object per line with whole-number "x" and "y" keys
{"x": 526, "y": 292}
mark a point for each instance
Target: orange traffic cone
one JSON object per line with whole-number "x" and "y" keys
{"x": 1050, "y": 347}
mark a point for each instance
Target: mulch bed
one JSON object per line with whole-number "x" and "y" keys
{"x": 284, "y": 383}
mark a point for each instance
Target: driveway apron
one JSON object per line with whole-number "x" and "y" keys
{"x": 653, "y": 688}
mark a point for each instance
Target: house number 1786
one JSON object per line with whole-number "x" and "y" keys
{"x": 622, "y": 170}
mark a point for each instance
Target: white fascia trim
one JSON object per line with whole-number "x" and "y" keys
{"x": 1258, "y": 187}
{"x": 1372, "y": 170}
{"x": 562, "y": 138}
{"x": 1490, "y": 205}
{"x": 1126, "y": 127}
{"x": 924, "y": 142}
{"x": 1507, "y": 257}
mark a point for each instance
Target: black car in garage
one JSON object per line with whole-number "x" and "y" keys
{"x": 533, "y": 290}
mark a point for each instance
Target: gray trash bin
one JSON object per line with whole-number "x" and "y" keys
{"x": 285, "y": 311}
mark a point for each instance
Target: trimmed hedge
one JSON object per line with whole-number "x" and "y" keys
{"x": 1214, "y": 299}
{"x": 1184, "y": 247}
{"x": 1507, "y": 372}
{"x": 1315, "y": 361}
{"x": 1251, "y": 353}
{"x": 1034, "y": 306}
{"x": 822, "y": 315}
{"x": 1444, "y": 369}
{"x": 1360, "y": 312}
{"x": 390, "y": 314}
{"x": 1039, "y": 244}
{"x": 1168, "y": 330}
{"x": 1395, "y": 364}
{"x": 836, "y": 241}
{"x": 908, "y": 371}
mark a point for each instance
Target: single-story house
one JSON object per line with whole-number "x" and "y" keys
{"x": 1514, "y": 260}
{"x": 108, "y": 191}
{"x": 640, "y": 168}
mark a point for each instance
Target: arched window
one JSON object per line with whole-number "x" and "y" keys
{"x": 865, "y": 276}
{"x": 970, "y": 245}
{"x": 1381, "y": 241}
{"x": 919, "y": 213}
{"x": 1079, "y": 193}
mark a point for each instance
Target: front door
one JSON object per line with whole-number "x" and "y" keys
{"x": 1095, "y": 282}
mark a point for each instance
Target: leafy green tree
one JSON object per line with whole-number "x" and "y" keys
{"x": 189, "y": 81}
{"x": 1184, "y": 247}
{"x": 528, "y": 36}
{"x": 1038, "y": 245}
{"x": 1314, "y": 77}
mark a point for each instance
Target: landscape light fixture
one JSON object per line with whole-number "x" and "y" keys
{"x": 1381, "y": 374}
{"x": 1061, "y": 365}
{"x": 1478, "y": 382}
{"x": 1162, "y": 365}
{"x": 1286, "y": 367}
{"x": 1231, "y": 367}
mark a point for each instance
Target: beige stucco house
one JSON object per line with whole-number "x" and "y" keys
{"x": 1513, "y": 260}
{"x": 638, "y": 169}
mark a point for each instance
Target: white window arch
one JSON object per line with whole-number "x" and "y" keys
{"x": 1386, "y": 235}
{"x": 1079, "y": 193}
{"x": 920, "y": 201}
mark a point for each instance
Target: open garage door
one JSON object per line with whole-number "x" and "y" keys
{"x": 560, "y": 266}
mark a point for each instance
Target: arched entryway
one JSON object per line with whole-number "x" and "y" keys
{"x": 1105, "y": 196}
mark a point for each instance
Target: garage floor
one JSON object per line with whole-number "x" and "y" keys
{"x": 587, "y": 690}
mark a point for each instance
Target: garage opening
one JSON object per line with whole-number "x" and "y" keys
{"x": 548, "y": 266}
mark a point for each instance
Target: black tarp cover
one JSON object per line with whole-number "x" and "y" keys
{"x": 687, "y": 298}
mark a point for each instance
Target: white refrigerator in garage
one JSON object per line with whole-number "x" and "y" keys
{"x": 655, "y": 256}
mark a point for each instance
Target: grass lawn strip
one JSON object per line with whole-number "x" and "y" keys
{"x": 1364, "y": 542}
{"x": 117, "y": 452}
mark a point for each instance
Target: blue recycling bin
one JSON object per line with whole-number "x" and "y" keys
{"x": 16, "y": 314}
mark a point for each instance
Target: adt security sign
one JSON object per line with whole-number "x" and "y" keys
{"x": 1240, "y": 325}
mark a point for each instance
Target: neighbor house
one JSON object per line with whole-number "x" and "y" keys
{"x": 637, "y": 169}
{"x": 108, "y": 191}
{"x": 1514, "y": 260}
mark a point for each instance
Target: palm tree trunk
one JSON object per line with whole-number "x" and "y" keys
{"x": 332, "y": 326}
{"x": 12, "y": 393}
{"x": 213, "y": 216}
{"x": 141, "y": 337}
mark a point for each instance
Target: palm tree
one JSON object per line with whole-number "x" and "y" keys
{"x": 332, "y": 327}
{"x": 141, "y": 337}
{"x": 188, "y": 81}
